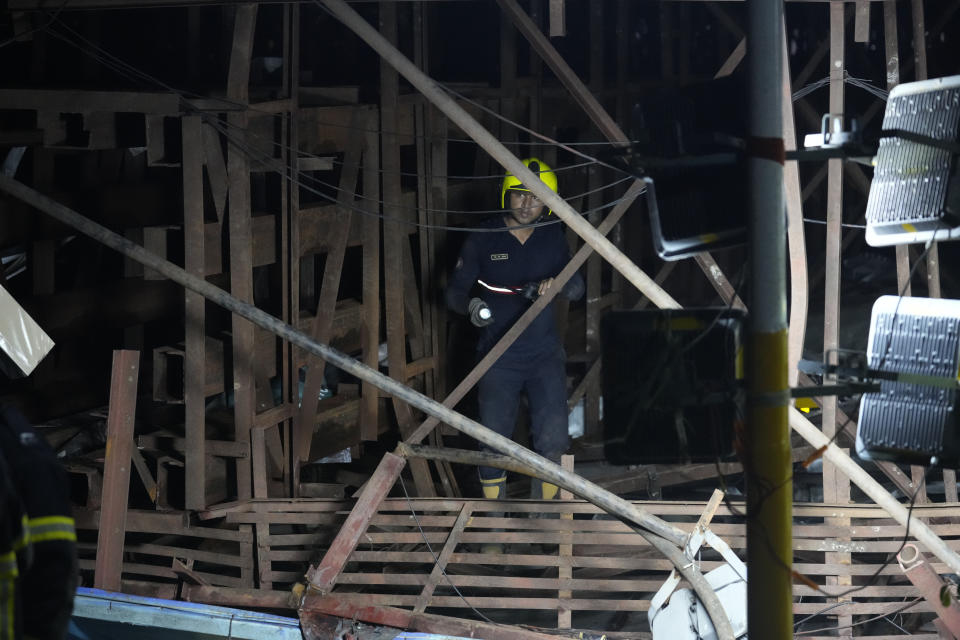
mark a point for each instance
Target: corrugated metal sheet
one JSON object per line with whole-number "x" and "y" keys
{"x": 103, "y": 615}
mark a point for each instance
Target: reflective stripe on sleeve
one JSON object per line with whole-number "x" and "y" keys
{"x": 8, "y": 566}
{"x": 50, "y": 528}
{"x": 495, "y": 289}
{"x": 24, "y": 539}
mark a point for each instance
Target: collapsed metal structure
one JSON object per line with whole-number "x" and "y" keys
{"x": 223, "y": 146}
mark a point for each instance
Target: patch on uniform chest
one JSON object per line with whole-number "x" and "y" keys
{"x": 499, "y": 256}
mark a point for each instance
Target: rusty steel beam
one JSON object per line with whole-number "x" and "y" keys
{"x": 241, "y": 239}
{"x": 836, "y": 485}
{"x": 195, "y": 342}
{"x": 568, "y": 77}
{"x": 336, "y": 245}
{"x": 116, "y": 471}
{"x": 323, "y": 576}
{"x": 239, "y": 597}
{"x": 241, "y": 286}
{"x": 370, "y": 319}
{"x": 719, "y": 281}
{"x": 453, "y": 539}
{"x": 931, "y": 586}
{"x": 394, "y": 243}
{"x": 216, "y": 167}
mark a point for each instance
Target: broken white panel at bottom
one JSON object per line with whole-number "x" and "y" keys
{"x": 684, "y": 617}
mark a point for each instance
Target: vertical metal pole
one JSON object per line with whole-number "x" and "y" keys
{"x": 770, "y": 491}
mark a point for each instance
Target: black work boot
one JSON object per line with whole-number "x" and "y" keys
{"x": 540, "y": 490}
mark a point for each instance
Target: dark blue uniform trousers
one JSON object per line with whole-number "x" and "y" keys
{"x": 544, "y": 379}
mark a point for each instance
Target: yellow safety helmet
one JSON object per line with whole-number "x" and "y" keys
{"x": 512, "y": 182}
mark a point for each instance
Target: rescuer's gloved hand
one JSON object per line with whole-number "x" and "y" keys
{"x": 531, "y": 290}
{"x": 480, "y": 314}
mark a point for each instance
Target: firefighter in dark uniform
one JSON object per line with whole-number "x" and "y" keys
{"x": 39, "y": 597}
{"x": 508, "y": 269}
{"x": 13, "y": 542}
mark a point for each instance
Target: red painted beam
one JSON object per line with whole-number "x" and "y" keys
{"x": 323, "y": 576}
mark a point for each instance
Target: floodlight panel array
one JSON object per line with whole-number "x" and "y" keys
{"x": 915, "y": 192}
{"x": 911, "y": 422}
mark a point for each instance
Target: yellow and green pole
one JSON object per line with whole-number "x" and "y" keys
{"x": 767, "y": 432}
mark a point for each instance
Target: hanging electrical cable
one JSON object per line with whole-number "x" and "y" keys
{"x": 286, "y": 174}
{"x": 225, "y": 129}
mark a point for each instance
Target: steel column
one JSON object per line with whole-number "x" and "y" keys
{"x": 116, "y": 471}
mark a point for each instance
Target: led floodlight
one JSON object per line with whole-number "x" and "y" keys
{"x": 915, "y": 190}
{"x": 913, "y": 419}
{"x": 671, "y": 384}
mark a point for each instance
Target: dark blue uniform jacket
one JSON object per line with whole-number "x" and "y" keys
{"x": 499, "y": 259}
